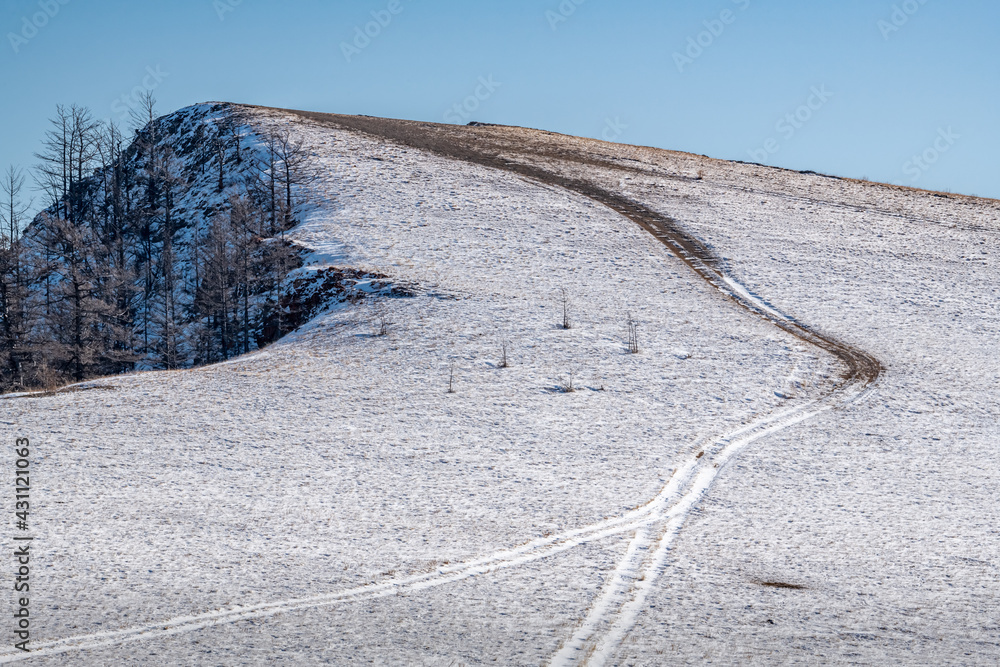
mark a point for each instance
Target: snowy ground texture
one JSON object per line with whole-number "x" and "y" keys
{"x": 710, "y": 499}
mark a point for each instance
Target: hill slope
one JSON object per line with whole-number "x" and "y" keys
{"x": 729, "y": 493}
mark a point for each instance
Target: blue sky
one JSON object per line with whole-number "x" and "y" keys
{"x": 900, "y": 91}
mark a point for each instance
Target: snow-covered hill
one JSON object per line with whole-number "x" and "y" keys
{"x": 717, "y": 496}
{"x": 166, "y": 251}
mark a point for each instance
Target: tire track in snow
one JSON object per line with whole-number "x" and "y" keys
{"x": 610, "y": 619}
{"x": 673, "y": 501}
{"x": 633, "y": 580}
{"x": 489, "y": 147}
{"x": 615, "y": 611}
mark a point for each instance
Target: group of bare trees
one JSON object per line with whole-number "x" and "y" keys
{"x": 13, "y": 274}
{"x": 115, "y": 273}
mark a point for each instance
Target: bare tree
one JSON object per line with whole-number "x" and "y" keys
{"x": 103, "y": 279}
{"x": 14, "y": 323}
{"x": 65, "y": 162}
{"x": 168, "y": 317}
{"x": 67, "y": 155}
{"x": 144, "y": 112}
{"x": 292, "y": 157}
{"x": 115, "y": 208}
{"x": 14, "y": 208}
{"x": 83, "y": 151}
{"x": 52, "y": 173}
{"x": 265, "y": 184}
{"x": 219, "y": 146}
{"x": 149, "y": 212}
{"x": 250, "y": 266}
{"x": 73, "y": 324}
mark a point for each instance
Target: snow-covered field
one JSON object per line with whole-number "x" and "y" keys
{"x": 328, "y": 500}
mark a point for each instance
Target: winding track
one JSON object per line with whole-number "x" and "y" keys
{"x": 617, "y": 607}
{"x": 653, "y": 526}
{"x": 481, "y": 147}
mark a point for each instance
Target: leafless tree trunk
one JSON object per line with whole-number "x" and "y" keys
{"x": 13, "y": 288}
{"x": 293, "y": 158}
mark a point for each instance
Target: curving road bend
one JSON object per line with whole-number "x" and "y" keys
{"x": 651, "y": 527}
{"x": 617, "y": 607}
{"x": 861, "y": 368}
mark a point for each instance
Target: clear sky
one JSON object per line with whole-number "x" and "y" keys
{"x": 902, "y": 91}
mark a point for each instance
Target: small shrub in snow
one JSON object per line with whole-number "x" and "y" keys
{"x": 504, "y": 349}
{"x": 633, "y": 334}
{"x": 566, "y": 324}
{"x": 380, "y": 318}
